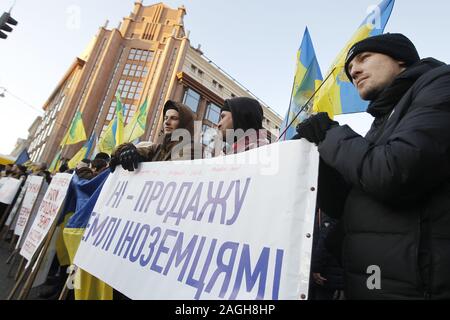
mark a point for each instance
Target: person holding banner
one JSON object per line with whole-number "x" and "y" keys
{"x": 392, "y": 187}
{"x": 240, "y": 125}
{"x": 19, "y": 171}
{"x": 178, "y": 123}
{"x": 41, "y": 170}
{"x": 7, "y": 171}
{"x": 98, "y": 166}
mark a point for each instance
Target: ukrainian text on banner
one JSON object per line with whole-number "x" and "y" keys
{"x": 32, "y": 215}
{"x": 8, "y": 189}
{"x": 235, "y": 227}
{"x": 46, "y": 214}
{"x": 34, "y": 185}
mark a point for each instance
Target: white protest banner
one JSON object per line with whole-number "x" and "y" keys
{"x": 17, "y": 205}
{"x": 46, "y": 214}
{"x": 8, "y": 189}
{"x": 234, "y": 227}
{"x": 34, "y": 185}
{"x": 32, "y": 215}
{"x": 46, "y": 264}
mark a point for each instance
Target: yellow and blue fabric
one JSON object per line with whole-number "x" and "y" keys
{"x": 81, "y": 200}
{"x": 79, "y": 192}
{"x": 118, "y": 123}
{"x": 338, "y": 95}
{"x": 107, "y": 141}
{"x": 56, "y": 162}
{"x": 76, "y": 132}
{"x": 136, "y": 127}
{"x": 306, "y": 76}
{"x": 83, "y": 153}
{"x": 23, "y": 157}
{"x": 113, "y": 136}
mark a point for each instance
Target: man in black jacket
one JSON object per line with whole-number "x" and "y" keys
{"x": 392, "y": 187}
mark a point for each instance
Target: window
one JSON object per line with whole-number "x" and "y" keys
{"x": 130, "y": 89}
{"x": 200, "y": 73}
{"x": 51, "y": 128}
{"x": 126, "y": 70}
{"x": 140, "y": 55}
{"x": 233, "y": 96}
{"x": 104, "y": 128}
{"x": 213, "y": 113}
{"x": 191, "y": 99}
{"x": 214, "y": 82}
{"x": 270, "y": 137}
{"x": 193, "y": 68}
{"x": 129, "y": 112}
{"x": 61, "y": 103}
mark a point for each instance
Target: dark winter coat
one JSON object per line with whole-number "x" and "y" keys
{"x": 162, "y": 150}
{"x": 322, "y": 261}
{"x": 393, "y": 189}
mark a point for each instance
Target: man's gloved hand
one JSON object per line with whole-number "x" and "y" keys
{"x": 129, "y": 158}
{"x": 315, "y": 128}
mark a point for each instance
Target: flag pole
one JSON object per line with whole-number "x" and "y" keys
{"x": 306, "y": 104}
{"x": 289, "y": 108}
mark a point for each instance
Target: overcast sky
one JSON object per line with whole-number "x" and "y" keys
{"x": 253, "y": 40}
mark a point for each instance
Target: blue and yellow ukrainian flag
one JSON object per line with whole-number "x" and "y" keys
{"x": 56, "y": 162}
{"x": 136, "y": 127}
{"x": 83, "y": 153}
{"x": 82, "y": 197}
{"x": 307, "y": 75}
{"x": 338, "y": 95}
{"x": 76, "y": 132}
{"x": 113, "y": 136}
{"x": 118, "y": 125}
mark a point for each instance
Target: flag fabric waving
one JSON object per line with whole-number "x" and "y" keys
{"x": 118, "y": 122}
{"x": 76, "y": 132}
{"x": 83, "y": 153}
{"x": 23, "y": 157}
{"x": 136, "y": 127}
{"x": 81, "y": 199}
{"x": 307, "y": 76}
{"x": 113, "y": 135}
{"x": 338, "y": 95}
{"x": 56, "y": 162}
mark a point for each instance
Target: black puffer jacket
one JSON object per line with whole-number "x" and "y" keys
{"x": 396, "y": 213}
{"x": 322, "y": 261}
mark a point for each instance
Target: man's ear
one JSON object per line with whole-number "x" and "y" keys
{"x": 402, "y": 65}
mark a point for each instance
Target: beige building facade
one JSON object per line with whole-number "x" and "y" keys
{"x": 149, "y": 56}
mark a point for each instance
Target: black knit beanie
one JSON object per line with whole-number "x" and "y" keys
{"x": 395, "y": 45}
{"x": 226, "y": 106}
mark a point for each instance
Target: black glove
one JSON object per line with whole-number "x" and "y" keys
{"x": 129, "y": 158}
{"x": 315, "y": 128}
